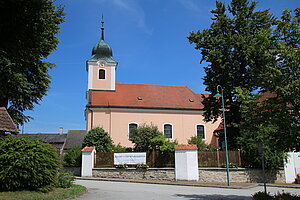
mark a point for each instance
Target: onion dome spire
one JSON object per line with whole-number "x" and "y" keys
{"x": 102, "y": 50}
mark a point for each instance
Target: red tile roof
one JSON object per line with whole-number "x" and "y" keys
{"x": 147, "y": 96}
{"x": 266, "y": 95}
{"x": 6, "y": 122}
{"x": 88, "y": 149}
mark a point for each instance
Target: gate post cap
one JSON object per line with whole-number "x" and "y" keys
{"x": 186, "y": 147}
{"x": 88, "y": 149}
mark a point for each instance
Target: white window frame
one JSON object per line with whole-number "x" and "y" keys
{"x": 172, "y": 130}
{"x": 204, "y": 129}
{"x": 99, "y": 74}
{"x": 137, "y": 125}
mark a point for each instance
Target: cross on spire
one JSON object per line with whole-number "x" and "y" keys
{"x": 102, "y": 29}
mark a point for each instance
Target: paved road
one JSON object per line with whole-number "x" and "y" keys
{"x": 106, "y": 190}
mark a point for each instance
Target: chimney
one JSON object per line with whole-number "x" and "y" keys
{"x": 61, "y": 130}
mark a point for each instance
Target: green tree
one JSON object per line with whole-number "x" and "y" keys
{"x": 27, "y": 37}
{"x": 284, "y": 79}
{"x": 99, "y": 138}
{"x": 142, "y": 136}
{"x": 237, "y": 46}
{"x": 27, "y": 164}
{"x": 261, "y": 124}
{"x": 272, "y": 116}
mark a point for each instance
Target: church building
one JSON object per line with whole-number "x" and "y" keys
{"x": 121, "y": 107}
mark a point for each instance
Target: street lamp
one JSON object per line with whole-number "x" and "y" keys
{"x": 225, "y": 136}
{"x": 261, "y": 152}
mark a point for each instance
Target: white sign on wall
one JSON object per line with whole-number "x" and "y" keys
{"x": 129, "y": 158}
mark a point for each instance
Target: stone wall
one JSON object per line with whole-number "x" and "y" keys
{"x": 138, "y": 174}
{"x": 76, "y": 171}
{"x": 240, "y": 175}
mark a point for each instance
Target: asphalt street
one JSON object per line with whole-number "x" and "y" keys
{"x": 106, "y": 190}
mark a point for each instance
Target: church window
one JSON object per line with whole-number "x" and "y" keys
{"x": 200, "y": 131}
{"x": 168, "y": 131}
{"x": 101, "y": 74}
{"x": 131, "y": 128}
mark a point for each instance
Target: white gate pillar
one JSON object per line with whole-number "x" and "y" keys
{"x": 88, "y": 160}
{"x": 186, "y": 162}
{"x": 292, "y": 166}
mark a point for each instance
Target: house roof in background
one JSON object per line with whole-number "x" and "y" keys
{"x": 74, "y": 138}
{"x": 130, "y": 95}
{"x": 50, "y": 138}
{"x": 221, "y": 127}
{"x": 6, "y": 122}
{"x": 266, "y": 95}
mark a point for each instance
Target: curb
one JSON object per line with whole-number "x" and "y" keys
{"x": 281, "y": 186}
{"x": 77, "y": 195}
{"x": 192, "y": 184}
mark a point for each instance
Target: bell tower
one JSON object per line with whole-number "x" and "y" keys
{"x": 101, "y": 67}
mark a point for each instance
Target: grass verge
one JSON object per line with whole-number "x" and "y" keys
{"x": 56, "y": 194}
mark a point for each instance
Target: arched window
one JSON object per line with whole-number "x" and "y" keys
{"x": 101, "y": 74}
{"x": 168, "y": 132}
{"x": 131, "y": 128}
{"x": 200, "y": 131}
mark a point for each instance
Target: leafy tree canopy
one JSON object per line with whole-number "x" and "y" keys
{"x": 27, "y": 37}
{"x": 272, "y": 117}
{"x": 262, "y": 125}
{"x": 99, "y": 138}
{"x": 255, "y": 58}
{"x": 236, "y": 47}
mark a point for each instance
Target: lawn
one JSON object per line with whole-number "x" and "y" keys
{"x": 56, "y": 194}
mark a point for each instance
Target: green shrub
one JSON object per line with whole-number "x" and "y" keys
{"x": 278, "y": 196}
{"x": 142, "y": 166}
{"x": 202, "y": 146}
{"x": 119, "y": 149}
{"x": 72, "y": 157}
{"x": 262, "y": 196}
{"x": 142, "y": 136}
{"x": 286, "y": 196}
{"x": 64, "y": 179}
{"x": 26, "y": 164}
{"x": 162, "y": 144}
{"x": 99, "y": 138}
{"x": 121, "y": 166}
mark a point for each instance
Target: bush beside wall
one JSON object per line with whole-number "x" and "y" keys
{"x": 26, "y": 164}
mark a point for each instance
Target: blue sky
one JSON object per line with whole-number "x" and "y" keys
{"x": 148, "y": 39}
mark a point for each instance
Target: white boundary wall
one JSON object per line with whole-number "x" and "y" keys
{"x": 292, "y": 167}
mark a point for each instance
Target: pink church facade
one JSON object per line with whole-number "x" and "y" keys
{"x": 120, "y": 107}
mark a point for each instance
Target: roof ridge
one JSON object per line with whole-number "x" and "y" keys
{"x": 203, "y": 93}
{"x": 153, "y": 85}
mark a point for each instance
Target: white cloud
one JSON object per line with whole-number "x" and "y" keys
{"x": 190, "y": 5}
{"x": 133, "y": 9}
